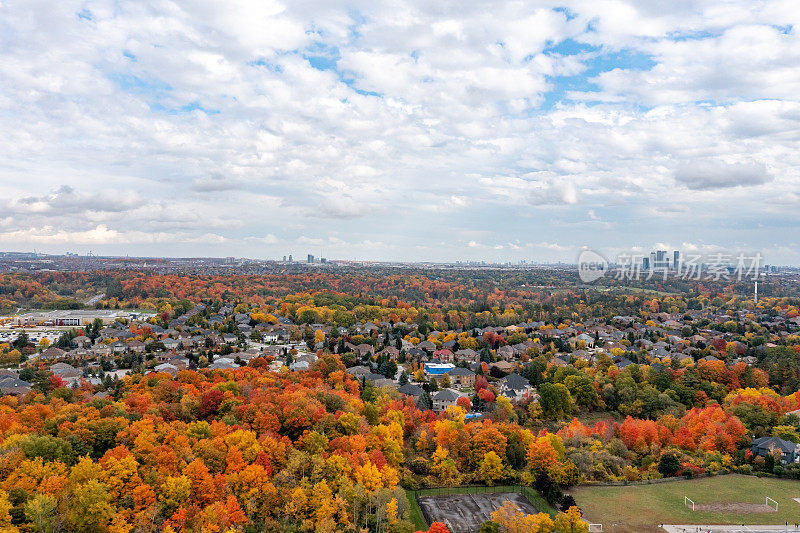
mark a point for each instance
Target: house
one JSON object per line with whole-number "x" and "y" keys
{"x": 444, "y": 399}
{"x": 582, "y": 355}
{"x": 504, "y": 366}
{"x": 562, "y": 359}
{"x": 466, "y": 354}
{"x": 416, "y": 353}
{"x": 223, "y": 363}
{"x": 168, "y": 368}
{"x": 136, "y": 346}
{"x": 118, "y": 347}
{"x": 364, "y": 349}
{"x": 52, "y": 354}
{"x": 13, "y": 385}
{"x": 444, "y": 355}
{"x": 437, "y": 369}
{"x": 514, "y": 386}
{"x": 462, "y": 377}
{"x": 391, "y": 352}
{"x": 171, "y": 344}
{"x": 588, "y": 339}
{"x": 283, "y": 334}
{"x": 790, "y": 452}
{"x": 82, "y": 341}
{"x": 427, "y": 346}
{"x": 101, "y": 350}
{"x": 411, "y": 390}
{"x": 373, "y": 377}
{"x": 78, "y": 353}
{"x": 299, "y": 365}
{"x": 65, "y": 371}
{"x": 359, "y": 371}
{"x": 178, "y": 361}
{"x": 506, "y": 353}
{"x": 383, "y": 382}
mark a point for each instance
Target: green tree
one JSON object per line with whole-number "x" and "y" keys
{"x": 40, "y": 512}
{"x": 555, "y": 400}
{"x": 669, "y": 464}
{"x": 786, "y": 433}
{"x": 90, "y": 511}
{"x": 489, "y": 527}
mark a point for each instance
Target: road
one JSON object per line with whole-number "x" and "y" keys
{"x": 94, "y": 299}
{"x": 696, "y": 528}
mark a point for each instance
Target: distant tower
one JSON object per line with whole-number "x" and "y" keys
{"x": 676, "y": 257}
{"x": 310, "y": 258}
{"x": 290, "y": 258}
{"x": 756, "y": 293}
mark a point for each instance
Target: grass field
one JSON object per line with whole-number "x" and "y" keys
{"x": 641, "y": 508}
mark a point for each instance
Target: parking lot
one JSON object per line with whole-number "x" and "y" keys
{"x": 464, "y": 513}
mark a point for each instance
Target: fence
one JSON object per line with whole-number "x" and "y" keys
{"x": 645, "y": 481}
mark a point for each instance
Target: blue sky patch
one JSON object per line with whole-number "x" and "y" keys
{"x": 596, "y": 62}
{"x": 188, "y": 108}
{"x": 272, "y": 67}
{"x": 134, "y": 84}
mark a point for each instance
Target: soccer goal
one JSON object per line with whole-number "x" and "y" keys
{"x": 688, "y": 502}
{"x": 596, "y": 528}
{"x": 773, "y": 503}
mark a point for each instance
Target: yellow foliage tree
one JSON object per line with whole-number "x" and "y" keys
{"x": 511, "y": 520}
{"x": 5, "y": 514}
{"x": 491, "y": 468}
{"x": 391, "y": 511}
{"x": 570, "y": 521}
{"x": 369, "y": 477}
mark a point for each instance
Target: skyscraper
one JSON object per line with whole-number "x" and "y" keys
{"x": 659, "y": 260}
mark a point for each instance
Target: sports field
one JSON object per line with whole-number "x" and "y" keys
{"x": 731, "y": 499}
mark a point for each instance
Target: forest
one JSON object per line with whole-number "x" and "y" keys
{"x": 265, "y": 448}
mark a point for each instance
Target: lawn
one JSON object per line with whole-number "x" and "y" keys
{"x": 641, "y": 508}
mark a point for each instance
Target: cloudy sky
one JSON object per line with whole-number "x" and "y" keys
{"x": 400, "y": 130}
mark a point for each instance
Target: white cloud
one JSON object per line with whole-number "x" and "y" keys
{"x": 128, "y": 124}
{"x": 715, "y": 174}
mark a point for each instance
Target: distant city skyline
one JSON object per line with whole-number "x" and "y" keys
{"x": 410, "y": 131}
{"x": 639, "y": 261}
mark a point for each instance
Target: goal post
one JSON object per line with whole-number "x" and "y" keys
{"x": 688, "y": 502}
{"x": 773, "y": 502}
{"x": 595, "y": 528}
